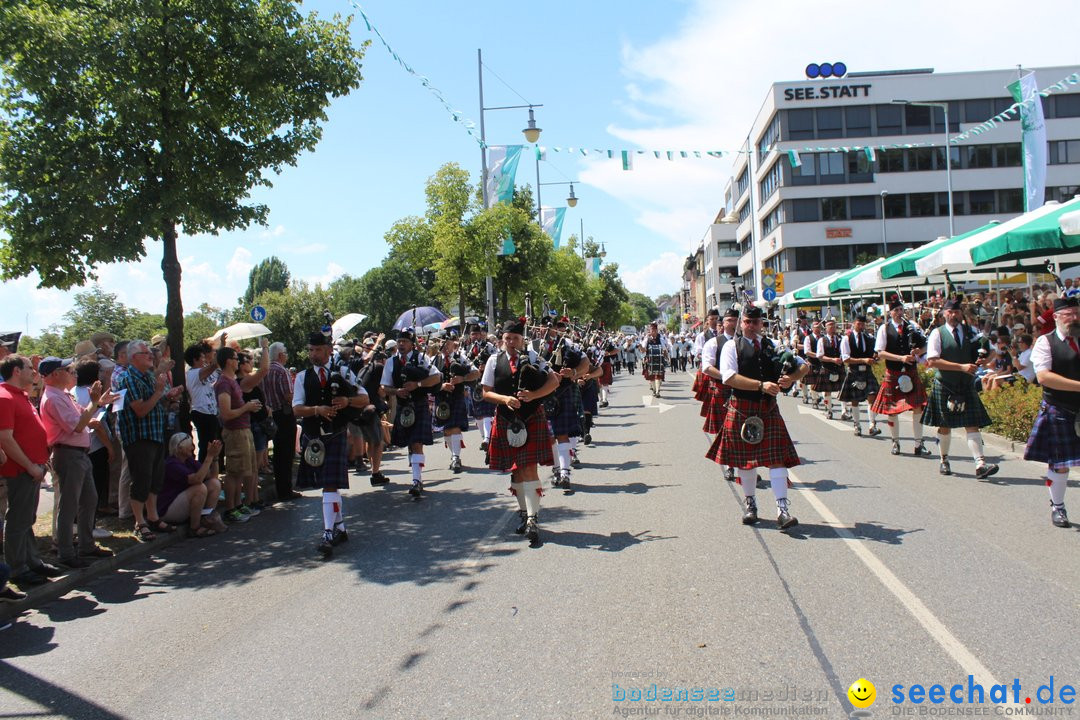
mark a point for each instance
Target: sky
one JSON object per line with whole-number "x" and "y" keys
{"x": 636, "y": 74}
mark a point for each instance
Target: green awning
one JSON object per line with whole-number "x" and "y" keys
{"x": 1042, "y": 236}
{"x": 843, "y": 282}
{"x": 903, "y": 264}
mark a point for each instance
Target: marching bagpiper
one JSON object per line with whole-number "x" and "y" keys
{"x": 813, "y": 375}
{"x": 857, "y": 352}
{"x": 715, "y": 393}
{"x": 831, "y": 377}
{"x": 900, "y": 343}
{"x": 754, "y": 434}
{"x": 563, "y": 407}
{"x": 655, "y": 347}
{"x": 409, "y": 375}
{"x": 450, "y": 407}
{"x": 516, "y": 381}
{"x": 480, "y": 349}
{"x": 699, "y": 388}
{"x": 1055, "y": 437}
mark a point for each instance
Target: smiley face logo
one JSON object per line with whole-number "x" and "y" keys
{"x": 862, "y": 693}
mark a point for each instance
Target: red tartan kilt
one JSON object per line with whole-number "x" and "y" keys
{"x": 535, "y": 451}
{"x": 890, "y": 401}
{"x": 698, "y": 389}
{"x": 714, "y": 409}
{"x": 775, "y": 450}
{"x": 606, "y": 376}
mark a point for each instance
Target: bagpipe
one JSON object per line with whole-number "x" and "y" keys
{"x": 478, "y": 355}
{"x": 455, "y": 367}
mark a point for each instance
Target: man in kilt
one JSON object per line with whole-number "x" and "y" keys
{"x": 900, "y": 343}
{"x": 715, "y": 393}
{"x": 456, "y": 372}
{"x": 700, "y": 386}
{"x": 831, "y": 378}
{"x": 1055, "y": 358}
{"x": 479, "y": 351}
{"x": 749, "y": 366}
{"x": 408, "y": 375}
{"x": 857, "y": 353}
{"x": 567, "y": 413}
{"x": 813, "y": 375}
{"x": 501, "y": 381}
{"x": 652, "y": 365}
{"x": 325, "y": 406}
{"x": 952, "y": 349}
{"x": 798, "y": 340}
{"x": 590, "y": 391}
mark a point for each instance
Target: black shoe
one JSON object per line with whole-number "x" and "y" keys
{"x": 340, "y": 536}
{"x": 749, "y": 516}
{"x": 920, "y": 451}
{"x": 326, "y": 549}
{"x": 574, "y": 461}
{"x": 1057, "y": 516}
{"x": 75, "y": 563}
{"x": 895, "y": 448}
{"x": 377, "y": 479}
{"x": 944, "y": 468}
{"x": 455, "y": 464}
{"x": 729, "y": 474}
{"x": 985, "y": 470}
{"x": 29, "y": 579}
{"x": 532, "y": 532}
{"x": 484, "y": 446}
{"x": 786, "y": 520}
{"x": 564, "y": 481}
{"x": 604, "y": 404}
{"x": 10, "y": 594}
{"x": 416, "y": 489}
{"x": 828, "y": 415}
{"x": 47, "y": 570}
{"x": 291, "y": 495}
{"x": 487, "y": 458}
{"x": 587, "y": 439}
{"x": 845, "y": 416}
{"x": 874, "y": 430}
{"x": 858, "y": 430}
{"x": 521, "y": 528}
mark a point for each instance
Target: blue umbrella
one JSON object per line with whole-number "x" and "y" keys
{"x": 420, "y": 317}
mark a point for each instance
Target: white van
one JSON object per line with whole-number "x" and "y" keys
{"x": 628, "y": 330}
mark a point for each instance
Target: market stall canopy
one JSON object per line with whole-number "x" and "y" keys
{"x": 842, "y": 282}
{"x": 903, "y": 265}
{"x": 803, "y": 294}
{"x": 1039, "y": 237}
{"x": 243, "y": 331}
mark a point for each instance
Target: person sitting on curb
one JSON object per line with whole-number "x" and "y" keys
{"x": 191, "y": 489}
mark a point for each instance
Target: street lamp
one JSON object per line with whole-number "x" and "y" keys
{"x": 948, "y": 151}
{"x": 884, "y": 240}
{"x": 532, "y": 134}
{"x": 571, "y": 200}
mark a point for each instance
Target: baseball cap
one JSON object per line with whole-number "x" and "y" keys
{"x": 51, "y": 363}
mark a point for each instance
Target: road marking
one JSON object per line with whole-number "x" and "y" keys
{"x": 647, "y": 400}
{"x": 934, "y": 627}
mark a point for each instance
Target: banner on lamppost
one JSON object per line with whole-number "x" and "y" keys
{"x": 502, "y": 169}
{"x": 551, "y": 220}
{"x": 1033, "y": 127}
{"x": 592, "y": 266}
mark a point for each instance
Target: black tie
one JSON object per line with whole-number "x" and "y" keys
{"x": 956, "y": 334}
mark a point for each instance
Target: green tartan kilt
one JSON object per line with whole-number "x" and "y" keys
{"x": 937, "y": 412}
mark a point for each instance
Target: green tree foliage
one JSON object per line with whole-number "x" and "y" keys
{"x": 121, "y": 120}
{"x": 382, "y": 293}
{"x": 292, "y": 315}
{"x": 612, "y": 298}
{"x": 269, "y": 275}
{"x": 643, "y": 309}
{"x": 95, "y": 310}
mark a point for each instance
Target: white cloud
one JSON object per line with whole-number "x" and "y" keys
{"x": 656, "y": 278}
{"x": 239, "y": 267}
{"x": 306, "y": 249}
{"x": 333, "y": 272}
{"x": 276, "y": 231}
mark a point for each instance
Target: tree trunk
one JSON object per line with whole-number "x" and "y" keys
{"x": 174, "y": 313}
{"x": 461, "y": 305}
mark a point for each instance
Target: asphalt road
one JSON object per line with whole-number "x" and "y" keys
{"x": 435, "y": 609}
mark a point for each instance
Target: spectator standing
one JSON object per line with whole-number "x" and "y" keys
{"x": 25, "y": 448}
{"x": 1023, "y": 364}
{"x": 142, "y": 427}
{"x": 87, "y": 372}
{"x": 202, "y": 374}
{"x": 119, "y": 473}
{"x": 278, "y": 391}
{"x": 68, "y": 427}
{"x": 237, "y": 441}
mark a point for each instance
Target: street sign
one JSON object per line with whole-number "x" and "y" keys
{"x": 768, "y": 271}
{"x": 768, "y": 294}
{"x": 258, "y": 313}
{"x": 768, "y": 280}
{"x": 779, "y": 282}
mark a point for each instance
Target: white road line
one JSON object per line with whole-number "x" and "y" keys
{"x": 934, "y": 627}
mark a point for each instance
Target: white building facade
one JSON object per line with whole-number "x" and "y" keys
{"x": 840, "y": 207}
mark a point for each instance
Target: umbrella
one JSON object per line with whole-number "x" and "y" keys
{"x": 1038, "y": 237}
{"x": 243, "y": 331}
{"x": 451, "y": 322}
{"x": 842, "y": 283}
{"x": 419, "y": 317}
{"x": 344, "y": 324}
{"x": 903, "y": 265}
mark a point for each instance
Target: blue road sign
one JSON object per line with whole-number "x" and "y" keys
{"x": 768, "y": 294}
{"x": 258, "y": 313}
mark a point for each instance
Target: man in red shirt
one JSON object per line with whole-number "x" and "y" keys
{"x": 23, "y": 440}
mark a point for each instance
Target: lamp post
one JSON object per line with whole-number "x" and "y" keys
{"x": 571, "y": 199}
{"x": 532, "y": 134}
{"x": 884, "y": 240}
{"x": 948, "y": 152}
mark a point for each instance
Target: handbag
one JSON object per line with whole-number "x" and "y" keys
{"x": 269, "y": 427}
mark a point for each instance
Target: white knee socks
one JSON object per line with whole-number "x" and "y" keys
{"x": 417, "y": 462}
{"x": 519, "y": 493}
{"x": 975, "y": 442}
{"x": 894, "y": 428}
{"x": 531, "y": 491}
{"x": 486, "y": 425}
{"x": 564, "y": 455}
{"x": 856, "y": 412}
{"x": 778, "y": 480}
{"x": 603, "y": 393}
{"x": 748, "y": 479}
{"x": 455, "y": 445}
{"x": 1057, "y": 482}
{"x": 916, "y": 426}
{"x": 331, "y": 510}
{"x": 573, "y": 443}
{"x": 944, "y": 441}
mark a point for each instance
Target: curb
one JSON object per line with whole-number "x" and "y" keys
{"x": 61, "y": 586}
{"x": 1004, "y": 445}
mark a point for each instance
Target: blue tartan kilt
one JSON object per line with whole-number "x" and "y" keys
{"x": 459, "y": 414}
{"x": 335, "y": 469}
{"x": 420, "y": 432}
{"x": 1053, "y": 440}
{"x": 567, "y": 421}
{"x": 937, "y": 412}
{"x": 822, "y": 382}
{"x": 850, "y": 393}
{"x": 590, "y": 397}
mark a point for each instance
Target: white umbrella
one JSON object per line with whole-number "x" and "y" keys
{"x": 957, "y": 256}
{"x": 344, "y": 324}
{"x": 243, "y": 331}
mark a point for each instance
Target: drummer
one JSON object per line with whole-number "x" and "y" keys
{"x": 657, "y": 344}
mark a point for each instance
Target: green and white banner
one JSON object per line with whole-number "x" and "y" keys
{"x": 1033, "y": 126}
{"x": 551, "y": 220}
{"x": 592, "y": 266}
{"x": 502, "y": 168}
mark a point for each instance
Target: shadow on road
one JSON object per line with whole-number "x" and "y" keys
{"x": 53, "y": 699}
{"x": 634, "y": 488}
{"x": 874, "y": 532}
{"x": 613, "y": 542}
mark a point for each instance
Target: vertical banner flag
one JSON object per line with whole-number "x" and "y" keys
{"x": 592, "y": 266}
{"x": 502, "y": 168}
{"x": 551, "y": 220}
{"x": 1033, "y": 127}
{"x": 627, "y": 160}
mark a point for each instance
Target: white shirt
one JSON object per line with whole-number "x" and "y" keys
{"x": 933, "y": 343}
{"x": 203, "y": 399}
{"x": 1040, "y": 352}
{"x": 1027, "y": 371}
{"x": 729, "y": 359}
{"x": 300, "y": 397}
{"x": 488, "y": 378}
{"x": 821, "y": 345}
{"x": 388, "y": 369}
{"x": 882, "y": 338}
{"x": 708, "y": 352}
{"x": 699, "y": 341}
{"x": 810, "y": 345}
{"x": 845, "y": 348}
{"x": 82, "y": 396}
{"x": 663, "y": 343}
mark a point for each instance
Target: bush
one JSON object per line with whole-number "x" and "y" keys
{"x": 1013, "y": 409}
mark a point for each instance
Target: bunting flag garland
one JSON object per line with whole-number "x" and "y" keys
{"x": 1028, "y": 102}
{"x": 793, "y": 158}
{"x": 551, "y": 220}
{"x": 627, "y": 160}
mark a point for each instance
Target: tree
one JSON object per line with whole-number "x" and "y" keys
{"x": 643, "y": 309}
{"x": 94, "y": 311}
{"x": 270, "y": 275}
{"x": 122, "y": 120}
{"x": 525, "y": 270}
{"x": 613, "y": 294}
{"x": 382, "y": 293}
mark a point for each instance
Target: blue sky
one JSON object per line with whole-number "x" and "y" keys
{"x": 679, "y": 75}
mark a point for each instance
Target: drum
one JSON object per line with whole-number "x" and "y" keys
{"x": 655, "y": 359}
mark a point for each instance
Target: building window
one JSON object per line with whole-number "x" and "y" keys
{"x": 921, "y": 159}
{"x": 859, "y": 167}
{"x": 1067, "y": 105}
{"x": 808, "y": 258}
{"x": 836, "y": 257}
{"x": 805, "y": 174}
{"x": 743, "y": 182}
{"x": 889, "y": 119}
{"x": 1007, "y": 155}
{"x": 981, "y": 202}
{"x": 800, "y": 124}
{"x": 978, "y": 111}
{"x": 833, "y": 208}
{"x": 863, "y": 207}
{"x": 857, "y": 120}
{"x": 831, "y": 164}
{"x": 771, "y": 181}
{"x": 830, "y": 122}
{"x": 954, "y": 118}
{"x": 890, "y": 161}
{"x": 922, "y": 204}
{"x": 873, "y": 250}
{"x": 1064, "y": 152}
{"x": 943, "y": 203}
{"x": 772, "y": 220}
{"x": 1011, "y": 201}
{"x": 744, "y": 212}
{"x": 895, "y": 206}
{"x": 979, "y": 156}
{"x": 1062, "y": 194}
{"x": 917, "y": 119}
{"x": 771, "y": 136}
{"x": 804, "y": 210}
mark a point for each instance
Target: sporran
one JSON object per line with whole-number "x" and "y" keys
{"x": 752, "y": 431}
{"x": 315, "y": 453}
{"x": 406, "y": 416}
{"x": 516, "y": 434}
